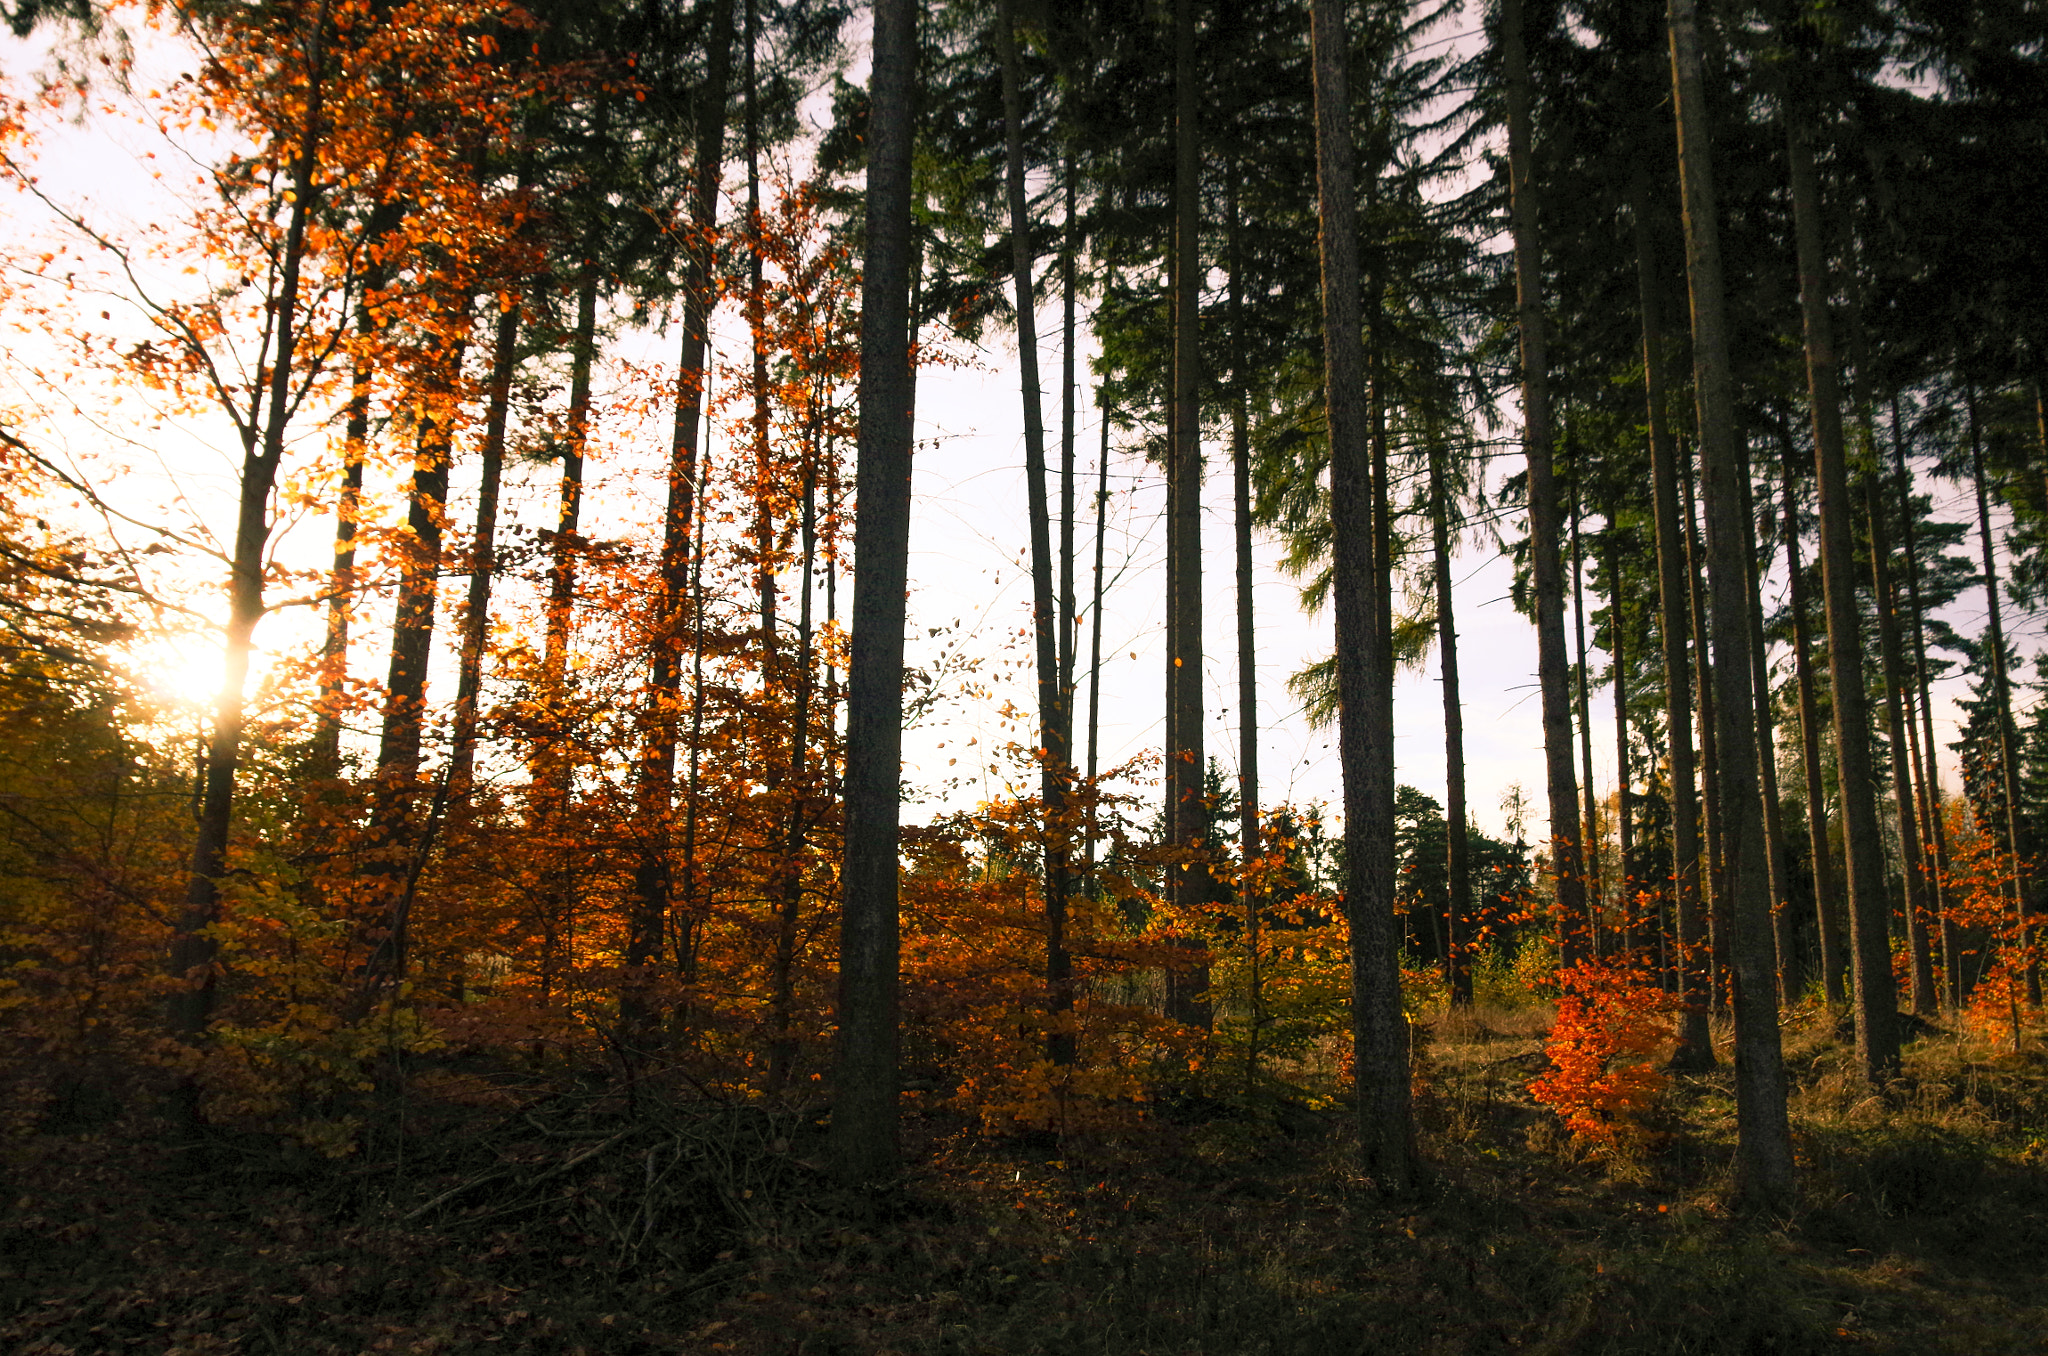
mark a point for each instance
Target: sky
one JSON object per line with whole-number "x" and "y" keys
{"x": 970, "y": 582}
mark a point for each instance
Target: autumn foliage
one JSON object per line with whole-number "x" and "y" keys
{"x": 1605, "y": 1080}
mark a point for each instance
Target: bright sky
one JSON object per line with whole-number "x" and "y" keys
{"x": 968, "y": 567}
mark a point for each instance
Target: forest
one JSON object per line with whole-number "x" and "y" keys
{"x": 538, "y": 936}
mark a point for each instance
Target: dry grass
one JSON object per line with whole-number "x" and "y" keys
{"x": 1224, "y": 1224}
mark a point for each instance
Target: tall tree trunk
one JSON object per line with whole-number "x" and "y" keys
{"x": 1069, "y": 330}
{"x": 1718, "y": 928}
{"x": 1763, "y": 1151}
{"x": 1827, "y": 925}
{"x": 193, "y": 947}
{"x": 1695, "y": 1044}
{"x": 1379, "y": 1030}
{"x": 863, "y": 1128}
{"x": 399, "y": 839}
{"x": 1186, "y": 766}
{"x": 757, "y": 330}
{"x": 1595, "y": 894}
{"x": 789, "y": 879}
{"x": 1095, "y": 636}
{"x": 1248, "y": 845}
{"x": 2001, "y": 692}
{"x": 1054, "y": 759}
{"x": 1458, "y": 920}
{"x": 1624, "y": 881}
{"x": 1929, "y": 775}
{"x": 653, "y": 874}
{"x": 341, "y": 586}
{"x": 1898, "y": 716}
{"x": 1546, "y": 508}
{"x": 1877, "y": 1039}
{"x": 1767, "y": 763}
{"x": 483, "y": 561}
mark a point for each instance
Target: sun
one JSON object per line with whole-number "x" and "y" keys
{"x": 183, "y": 675}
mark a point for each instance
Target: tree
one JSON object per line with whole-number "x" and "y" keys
{"x": 1764, "y": 1142}
{"x": 1358, "y": 509}
{"x": 864, "y": 1117}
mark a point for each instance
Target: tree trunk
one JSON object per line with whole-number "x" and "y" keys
{"x": 1763, "y": 1137}
{"x": 1695, "y": 1044}
{"x": 1095, "y": 636}
{"x": 1248, "y": 845}
{"x": 1624, "y": 881}
{"x": 1546, "y": 510}
{"x": 1186, "y": 766}
{"x": 1379, "y": 1030}
{"x": 1458, "y": 920}
{"x": 863, "y": 1127}
{"x": 1710, "y": 761}
{"x": 757, "y": 331}
{"x": 483, "y": 563}
{"x": 1595, "y": 894}
{"x": 789, "y": 880}
{"x": 653, "y": 875}
{"x": 2001, "y": 694}
{"x": 190, "y": 1006}
{"x": 1877, "y": 1039}
{"x": 1767, "y": 766}
{"x": 1929, "y": 774}
{"x": 1054, "y": 759}
{"x": 1833, "y": 964}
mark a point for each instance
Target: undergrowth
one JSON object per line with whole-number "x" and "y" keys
{"x": 551, "y": 1211}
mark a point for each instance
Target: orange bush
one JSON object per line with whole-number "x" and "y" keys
{"x": 1605, "y": 1081}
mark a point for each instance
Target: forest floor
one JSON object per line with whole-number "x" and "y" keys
{"x": 517, "y": 1216}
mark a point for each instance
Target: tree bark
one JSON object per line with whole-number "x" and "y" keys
{"x": 483, "y": 563}
{"x": 1595, "y": 894}
{"x": 1767, "y": 765}
{"x": 1546, "y": 511}
{"x": 1186, "y": 765}
{"x": 2001, "y": 692}
{"x": 1624, "y": 881}
{"x": 1054, "y": 757}
{"x": 1458, "y": 918}
{"x": 1716, "y": 909}
{"x": 193, "y": 950}
{"x": 1877, "y": 1040}
{"x": 1763, "y": 1137}
{"x": 1695, "y": 1044}
{"x": 1379, "y": 1030}
{"x": 863, "y": 1126}
{"x": 653, "y": 874}
{"x": 1833, "y": 964}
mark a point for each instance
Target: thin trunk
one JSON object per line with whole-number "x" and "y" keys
{"x": 1763, "y": 1137}
{"x": 1189, "y": 883}
{"x": 193, "y": 948}
{"x": 1379, "y": 1030}
{"x": 1053, "y": 754}
{"x": 1595, "y": 895}
{"x": 2001, "y": 694}
{"x": 1929, "y": 776}
{"x": 1624, "y": 881}
{"x": 863, "y": 1127}
{"x": 1767, "y": 765}
{"x": 1695, "y": 1045}
{"x": 1884, "y": 598}
{"x": 789, "y": 883}
{"x": 1095, "y": 633}
{"x": 1546, "y": 509}
{"x": 1877, "y": 1038}
{"x": 1069, "y": 329}
{"x": 1710, "y": 762}
{"x": 757, "y": 330}
{"x": 1834, "y": 965}
{"x": 1247, "y": 652}
{"x": 653, "y": 876}
{"x": 398, "y": 839}
{"x": 483, "y": 563}
{"x": 342, "y": 582}
{"x": 1458, "y": 920}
